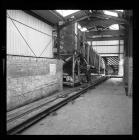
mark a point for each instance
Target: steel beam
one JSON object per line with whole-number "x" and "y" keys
{"x": 106, "y": 32}
{"x": 105, "y": 38}
{"x": 110, "y": 53}
{"x": 58, "y": 42}
{"x": 73, "y": 21}
{"x": 117, "y": 19}
{"x": 105, "y": 45}
{"x": 104, "y": 22}
{"x": 57, "y": 14}
{"x": 100, "y": 16}
{"x": 38, "y": 17}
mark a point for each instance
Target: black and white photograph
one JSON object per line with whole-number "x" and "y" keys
{"x": 69, "y": 72}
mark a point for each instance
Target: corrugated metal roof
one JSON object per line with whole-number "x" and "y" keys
{"x": 93, "y": 21}
{"x": 54, "y": 17}
{"x": 49, "y": 15}
{"x": 77, "y": 15}
{"x": 66, "y": 13}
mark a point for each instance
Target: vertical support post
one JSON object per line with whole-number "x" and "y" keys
{"x": 83, "y": 49}
{"x": 58, "y": 42}
{"x": 93, "y": 52}
{"x": 52, "y": 44}
{"x": 104, "y": 58}
{"x": 73, "y": 65}
{"x": 79, "y": 70}
{"x": 104, "y": 70}
{"x": 84, "y": 44}
{"x": 95, "y": 59}
{"x": 88, "y": 49}
{"x": 130, "y": 57}
{"x": 106, "y": 66}
{"x": 119, "y": 48}
{"x": 99, "y": 65}
{"x": 92, "y": 44}
{"x": 125, "y": 65}
{"x": 76, "y": 35}
{"x": 119, "y": 67}
{"x": 128, "y": 46}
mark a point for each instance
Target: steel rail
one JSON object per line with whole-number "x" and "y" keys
{"x": 44, "y": 104}
{"x": 21, "y": 127}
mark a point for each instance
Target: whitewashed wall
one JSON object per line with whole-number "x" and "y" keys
{"x": 36, "y": 40}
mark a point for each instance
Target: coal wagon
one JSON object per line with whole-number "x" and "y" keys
{"x": 80, "y": 59}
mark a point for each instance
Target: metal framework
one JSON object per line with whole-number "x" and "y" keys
{"x": 106, "y": 32}
{"x": 97, "y": 15}
{"x": 106, "y": 38}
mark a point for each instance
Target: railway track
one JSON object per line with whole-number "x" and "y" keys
{"x": 21, "y": 122}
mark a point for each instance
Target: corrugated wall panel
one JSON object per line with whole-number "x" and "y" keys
{"x": 109, "y": 55}
{"x": 109, "y": 49}
{"x": 110, "y": 42}
{"x": 106, "y": 49}
{"x": 30, "y": 21}
{"x": 15, "y": 43}
{"x": 39, "y": 41}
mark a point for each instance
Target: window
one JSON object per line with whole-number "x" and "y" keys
{"x": 120, "y": 10}
{"x": 66, "y": 12}
{"x": 89, "y": 42}
{"x": 114, "y": 27}
{"x": 83, "y": 29}
{"x": 110, "y": 13}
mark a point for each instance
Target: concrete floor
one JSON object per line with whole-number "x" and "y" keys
{"x": 101, "y": 111}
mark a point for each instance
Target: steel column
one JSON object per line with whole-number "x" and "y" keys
{"x": 73, "y": 65}
{"x": 58, "y": 42}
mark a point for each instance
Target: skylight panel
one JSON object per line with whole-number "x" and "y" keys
{"x": 114, "y": 27}
{"x": 110, "y": 13}
{"x": 120, "y": 10}
{"x": 79, "y": 26}
{"x": 66, "y": 12}
{"x": 83, "y": 29}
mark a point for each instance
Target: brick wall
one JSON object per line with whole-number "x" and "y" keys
{"x": 29, "y": 79}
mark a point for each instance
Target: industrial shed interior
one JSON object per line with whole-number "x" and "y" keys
{"x": 69, "y": 72}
